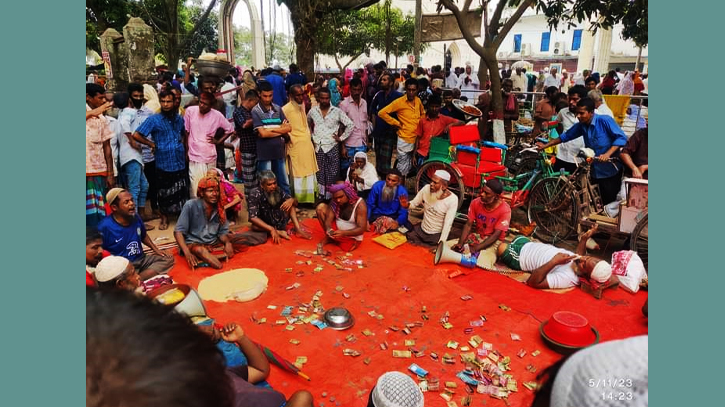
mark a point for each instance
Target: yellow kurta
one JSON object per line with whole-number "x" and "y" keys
{"x": 300, "y": 150}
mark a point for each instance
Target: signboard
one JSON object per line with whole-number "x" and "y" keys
{"x": 444, "y": 27}
{"x": 107, "y": 64}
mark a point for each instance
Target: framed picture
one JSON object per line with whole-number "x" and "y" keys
{"x": 558, "y": 67}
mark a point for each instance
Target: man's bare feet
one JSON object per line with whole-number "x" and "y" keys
{"x": 202, "y": 253}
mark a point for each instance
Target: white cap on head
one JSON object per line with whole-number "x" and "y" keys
{"x": 396, "y": 389}
{"x": 602, "y": 272}
{"x": 361, "y": 154}
{"x": 443, "y": 174}
{"x": 110, "y": 267}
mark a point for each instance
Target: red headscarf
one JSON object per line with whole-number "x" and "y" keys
{"x": 212, "y": 182}
{"x": 349, "y": 190}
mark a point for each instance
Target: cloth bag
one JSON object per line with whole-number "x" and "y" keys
{"x": 628, "y": 267}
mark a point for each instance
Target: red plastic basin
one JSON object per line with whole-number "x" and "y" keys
{"x": 569, "y": 328}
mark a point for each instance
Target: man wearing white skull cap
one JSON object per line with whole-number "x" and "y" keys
{"x": 439, "y": 211}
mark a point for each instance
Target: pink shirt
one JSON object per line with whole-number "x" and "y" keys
{"x": 200, "y": 128}
{"x": 489, "y": 222}
{"x": 97, "y": 132}
{"x": 359, "y": 116}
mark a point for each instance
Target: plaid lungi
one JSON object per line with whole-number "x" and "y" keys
{"x": 329, "y": 169}
{"x": 172, "y": 190}
{"x": 248, "y": 169}
{"x": 95, "y": 201}
{"x": 385, "y": 142}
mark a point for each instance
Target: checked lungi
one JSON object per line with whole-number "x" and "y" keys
{"x": 329, "y": 169}
{"x": 385, "y": 143}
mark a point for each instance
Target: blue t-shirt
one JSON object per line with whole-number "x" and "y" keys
{"x": 124, "y": 241}
{"x": 599, "y": 135}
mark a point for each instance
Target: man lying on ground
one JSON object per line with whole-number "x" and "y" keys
{"x": 551, "y": 266}
{"x": 203, "y": 227}
{"x": 439, "y": 211}
{"x": 271, "y": 209}
{"x": 123, "y": 232}
{"x": 384, "y": 209}
{"x": 349, "y": 213}
{"x": 489, "y": 217}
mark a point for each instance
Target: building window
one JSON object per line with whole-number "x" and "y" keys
{"x": 517, "y": 43}
{"x": 545, "y": 41}
{"x": 576, "y": 40}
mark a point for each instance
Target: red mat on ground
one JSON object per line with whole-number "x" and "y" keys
{"x": 397, "y": 284}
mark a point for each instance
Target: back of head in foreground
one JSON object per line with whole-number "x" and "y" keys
{"x": 143, "y": 354}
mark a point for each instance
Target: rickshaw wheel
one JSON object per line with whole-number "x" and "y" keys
{"x": 425, "y": 174}
{"x": 553, "y": 207}
{"x": 639, "y": 240}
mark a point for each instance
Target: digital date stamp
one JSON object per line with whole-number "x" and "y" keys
{"x": 613, "y": 388}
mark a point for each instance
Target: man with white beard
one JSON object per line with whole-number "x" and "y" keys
{"x": 384, "y": 209}
{"x": 271, "y": 209}
{"x": 439, "y": 211}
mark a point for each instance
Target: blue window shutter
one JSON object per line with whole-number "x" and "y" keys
{"x": 517, "y": 43}
{"x": 545, "y": 37}
{"x": 576, "y": 41}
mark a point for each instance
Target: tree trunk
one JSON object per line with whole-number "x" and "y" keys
{"x": 482, "y": 73}
{"x": 495, "y": 76}
{"x": 305, "y": 40}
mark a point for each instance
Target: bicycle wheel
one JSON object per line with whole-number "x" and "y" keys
{"x": 425, "y": 174}
{"x": 639, "y": 240}
{"x": 525, "y": 165}
{"x": 553, "y": 207}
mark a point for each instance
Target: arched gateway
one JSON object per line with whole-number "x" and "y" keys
{"x": 226, "y": 32}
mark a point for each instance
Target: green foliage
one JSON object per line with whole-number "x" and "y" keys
{"x": 632, "y": 14}
{"x": 207, "y": 35}
{"x": 104, "y": 14}
{"x": 283, "y": 52}
{"x": 354, "y": 33}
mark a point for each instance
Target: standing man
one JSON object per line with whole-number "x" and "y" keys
{"x": 488, "y": 221}
{"x": 356, "y": 108}
{"x": 130, "y": 159}
{"x": 468, "y": 82}
{"x": 99, "y": 158}
{"x": 275, "y": 78}
{"x": 439, "y": 211}
{"x": 302, "y": 163}
{"x": 325, "y": 121}
{"x": 432, "y": 125}
{"x": 449, "y": 110}
{"x": 600, "y": 106}
{"x": 164, "y": 133}
{"x": 521, "y": 81}
{"x": 603, "y": 135}
{"x": 271, "y": 127}
{"x": 409, "y": 110}
{"x": 201, "y": 123}
{"x": 247, "y": 153}
{"x": 552, "y": 80}
{"x": 566, "y": 153}
{"x": 123, "y": 232}
{"x": 384, "y": 135}
{"x": 295, "y": 77}
{"x": 451, "y": 79}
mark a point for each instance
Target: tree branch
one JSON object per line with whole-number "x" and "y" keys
{"x": 511, "y": 21}
{"x": 199, "y": 22}
{"x": 475, "y": 46}
{"x": 496, "y": 20}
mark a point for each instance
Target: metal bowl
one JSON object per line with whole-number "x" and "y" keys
{"x": 339, "y": 318}
{"x": 213, "y": 68}
{"x": 459, "y": 104}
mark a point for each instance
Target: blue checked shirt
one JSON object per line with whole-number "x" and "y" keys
{"x": 167, "y": 134}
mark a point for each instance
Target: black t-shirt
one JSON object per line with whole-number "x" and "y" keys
{"x": 249, "y": 395}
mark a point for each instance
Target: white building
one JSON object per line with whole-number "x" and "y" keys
{"x": 529, "y": 39}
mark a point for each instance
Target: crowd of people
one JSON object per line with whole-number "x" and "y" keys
{"x": 292, "y": 143}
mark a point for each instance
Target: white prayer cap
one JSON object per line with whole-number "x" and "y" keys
{"x": 443, "y": 174}
{"x": 396, "y": 389}
{"x": 110, "y": 267}
{"x": 601, "y": 273}
{"x": 361, "y": 154}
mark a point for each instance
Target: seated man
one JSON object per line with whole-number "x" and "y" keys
{"x": 117, "y": 272}
{"x": 384, "y": 209}
{"x": 491, "y": 216}
{"x": 432, "y": 125}
{"x": 634, "y": 155}
{"x": 123, "y": 232}
{"x": 553, "y": 267}
{"x": 203, "y": 227}
{"x": 362, "y": 174}
{"x": 349, "y": 213}
{"x": 439, "y": 211}
{"x": 94, "y": 254}
{"x": 271, "y": 209}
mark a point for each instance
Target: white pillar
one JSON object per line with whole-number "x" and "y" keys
{"x": 226, "y": 31}
{"x": 586, "y": 51}
{"x": 604, "y": 51}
